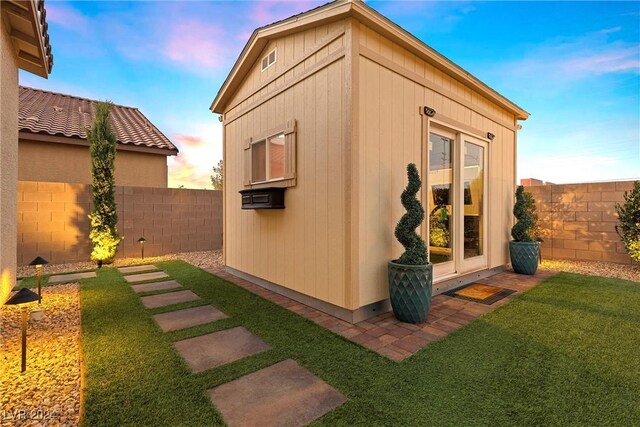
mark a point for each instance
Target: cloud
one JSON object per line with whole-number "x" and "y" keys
{"x": 66, "y": 17}
{"x": 184, "y": 173}
{"x": 562, "y": 62}
{"x": 267, "y": 12}
{"x": 198, "y": 45}
{"x": 190, "y": 141}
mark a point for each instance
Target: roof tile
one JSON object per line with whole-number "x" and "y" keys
{"x": 58, "y": 114}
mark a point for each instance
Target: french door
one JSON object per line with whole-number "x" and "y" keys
{"x": 456, "y": 203}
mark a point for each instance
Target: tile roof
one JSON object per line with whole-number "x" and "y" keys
{"x": 57, "y": 114}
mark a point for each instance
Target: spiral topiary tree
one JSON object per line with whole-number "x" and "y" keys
{"x": 415, "y": 250}
{"x": 521, "y": 210}
{"x": 104, "y": 219}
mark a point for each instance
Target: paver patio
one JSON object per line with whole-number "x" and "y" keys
{"x": 156, "y": 286}
{"x": 137, "y": 269}
{"x": 219, "y": 348}
{"x": 284, "y": 394}
{"x": 146, "y": 276}
{"x": 188, "y": 317}
{"x": 170, "y": 298}
{"x": 388, "y": 336}
{"x": 60, "y": 278}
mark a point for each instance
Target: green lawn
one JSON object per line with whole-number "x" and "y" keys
{"x": 564, "y": 353}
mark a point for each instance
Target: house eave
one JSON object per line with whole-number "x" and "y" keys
{"x": 69, "y": 140}
{"x": 27, "y": 29}
{"x": 366, "y": 15}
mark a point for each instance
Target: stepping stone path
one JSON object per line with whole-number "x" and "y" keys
{"x": 284, "y": 394}
{"x": 136, "y": 269}
{"x": 146, "y": 276}
{"x": 60, "y": 278}
{"x": 187, "y": 318}
{"x": 219, "y": 348}
{"x": 156, "y": 286}
{"x": 169, "y": 298}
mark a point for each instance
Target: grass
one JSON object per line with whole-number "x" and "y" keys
{"x": 564, "y": 353}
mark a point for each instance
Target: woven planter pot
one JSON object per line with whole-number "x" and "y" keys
{"x": 410, "y": 291}
{"x": 524, "y": 256}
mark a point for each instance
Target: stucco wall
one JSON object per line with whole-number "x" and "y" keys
{"x": 53, "y": 222}
{"x": 578, "y": 221}
{"x": 8, "y": 162}
{"x": 55, "y": 162}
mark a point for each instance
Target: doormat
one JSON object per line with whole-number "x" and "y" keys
{"x": 478, "y": 292}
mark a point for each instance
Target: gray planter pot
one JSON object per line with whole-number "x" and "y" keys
{"x": 524, "y": 256}
{"x": 410, "y": 291}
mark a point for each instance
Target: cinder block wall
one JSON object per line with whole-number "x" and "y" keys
{"x": 578, "y": 221}
{"x": 53, "y": 221}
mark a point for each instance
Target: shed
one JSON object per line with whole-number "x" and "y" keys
{"x": 321, "y": 114}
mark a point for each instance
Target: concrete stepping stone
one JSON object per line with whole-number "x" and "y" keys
{"x": 188, "y": 317}
{"x": 146, "y": 276}
{"x": 137, "y": 269}
{"x": 156, "y": 286}
{"x": 284, "y": 394}
{"x": 60, "y": 278}
{"x": 170, "y": 298}
{"x": 219, "y": 348}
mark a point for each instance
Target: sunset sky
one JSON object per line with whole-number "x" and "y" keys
{"x": 574, "y": 66}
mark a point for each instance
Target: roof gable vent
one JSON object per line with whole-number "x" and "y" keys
{"x": 269, "y": 60}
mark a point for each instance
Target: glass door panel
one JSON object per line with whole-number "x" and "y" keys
{"x": 473, "y": 197}
{"x": 441, "y": 199}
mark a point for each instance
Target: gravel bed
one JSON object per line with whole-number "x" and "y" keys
{"x": 595, "y": 268}
{"x": 202, "y": 259}
{"x": 48, "y": 393}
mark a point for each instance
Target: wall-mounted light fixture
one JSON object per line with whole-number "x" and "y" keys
{"x": 490, "y": 136}
{"x": 141, "y": 240}
{"x": 429, "y": 112}
{"x": 39, "y": 262}
{"x": 22, "y": 297}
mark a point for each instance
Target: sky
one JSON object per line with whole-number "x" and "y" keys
{"x": 575, "y": 66}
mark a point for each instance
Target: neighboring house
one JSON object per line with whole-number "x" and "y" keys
{"x": 24, "y": 43}
{"x": 53, "y": 145}
{"x": 331, "y": 105}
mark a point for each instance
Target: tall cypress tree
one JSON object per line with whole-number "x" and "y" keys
{"x": 104, "y": 219}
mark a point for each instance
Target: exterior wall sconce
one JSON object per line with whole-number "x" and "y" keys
{"x": 429, "y": 112}
{"x": 490, "y": 136}
{"x": 22, "y": 297}
{"x": 141, "y": 240}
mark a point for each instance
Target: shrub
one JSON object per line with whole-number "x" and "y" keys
{"x": 439, "y": 232}
{"x": 530, "y": 205}
{"x": 629, "y": 221}
{"x": 104, "y": 219}
{"x": 521, "y": 231}
{"x": 415, "y": 250}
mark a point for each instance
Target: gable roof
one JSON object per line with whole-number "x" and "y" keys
{"x": 56, "y": 114}
{"x": 340, "y": 9}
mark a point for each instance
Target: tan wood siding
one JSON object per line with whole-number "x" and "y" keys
{"x": 301, "y": 247}
{"x": 391, "y": 136}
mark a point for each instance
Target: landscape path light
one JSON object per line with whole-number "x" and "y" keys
{"x": 141, "y": 240}
{"x": 21, "y": 298}
{"x": 39, "y": 262}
